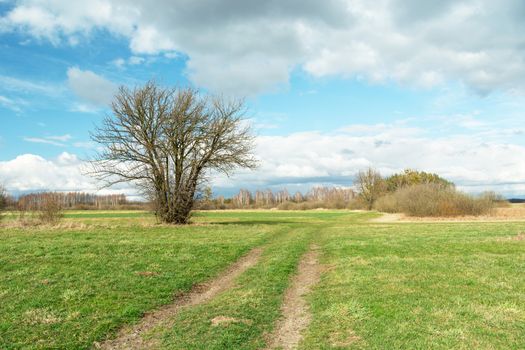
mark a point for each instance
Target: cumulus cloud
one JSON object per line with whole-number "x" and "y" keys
{"x": 301, "y": 160}
{"x": 248, "y": 47}
{"x": 91, "y": 87}
{"x": 29, "y": 172}
{"x": 475, "y": 162}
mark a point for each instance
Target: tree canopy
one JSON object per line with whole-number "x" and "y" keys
{"x": 411, "y": 177}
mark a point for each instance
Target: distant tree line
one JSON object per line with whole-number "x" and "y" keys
{"x": 413, "y": 192}
{"x": 68, "y": 200}
{"x": 48, "y": 207}
{"x": 72, "y": 200}
{"x": 317, "y": 197}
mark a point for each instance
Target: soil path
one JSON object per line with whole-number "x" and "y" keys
{"x": 296, "y": 315}
{"x": 142, "y": 334}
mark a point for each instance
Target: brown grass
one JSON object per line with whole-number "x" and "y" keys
{"x": 515, "y": 212}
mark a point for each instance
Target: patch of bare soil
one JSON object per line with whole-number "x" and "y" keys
{"x": 142, "y": 334}
{"x": 296, "y": 316}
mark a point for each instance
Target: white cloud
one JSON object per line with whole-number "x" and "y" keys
{"x": 119, "y": 62}
{"x": 247, "y": 47}
{"x": 61, "y": 138}
{"x": 91, "y": 87}
{"x": 11, "y": 104}
{"x": 475, "y": 162}
{"x": 29, "y": 172}
{"x": 44, "y": 141}
{"x": 58, "y": 140}
{"x": 25, "y": 86}
{"x": 132, "y": 61}
{"x": 84, "y": 108}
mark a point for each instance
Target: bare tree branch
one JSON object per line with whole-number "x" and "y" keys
{"x": 166, "y": 140}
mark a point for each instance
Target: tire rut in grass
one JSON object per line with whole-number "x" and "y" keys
{"x": 296, "y": 315}
{"x": 142, "y": 334}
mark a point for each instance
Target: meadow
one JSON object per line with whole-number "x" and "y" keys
{"x": 382, "y": 285}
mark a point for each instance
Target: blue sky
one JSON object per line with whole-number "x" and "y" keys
{"x": 332, "y": 87}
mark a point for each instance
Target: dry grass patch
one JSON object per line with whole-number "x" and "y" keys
{"x": 511, "y": 213}
{"x": 40, "y": 316}
{"x": 225, "y": 321}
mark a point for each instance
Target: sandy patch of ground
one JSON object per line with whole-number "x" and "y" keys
{"x": 141, "y": 335}
{"x": 296, "y": 316}
{"x": 512, "y": 213}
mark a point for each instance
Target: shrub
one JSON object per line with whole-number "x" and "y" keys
{"x": 50, "y": 209}
{"x": 434, "y": 200}
{"x": 388, "y": 204}
{"x": 309, "y": 205}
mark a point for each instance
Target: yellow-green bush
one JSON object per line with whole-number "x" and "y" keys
{"x": 434, "y": 200}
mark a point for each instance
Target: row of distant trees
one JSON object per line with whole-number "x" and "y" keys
{"x": 65, "y": 200}
{"x": 369, "y": 186}
{"x": 48, "y": 206}
{"x": 415, "y": 193}
{"x": 72, "y": 200}
{"x": 317, "y": 197}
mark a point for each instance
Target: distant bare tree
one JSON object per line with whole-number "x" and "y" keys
{"x": 298, "y": 197}
{"x": 370, "y": 186}
{"x": 282, "y": 196}
{"x": 166, "y": 140}
{"x": 3, "y": 200}
{"x": 243, "y": 199}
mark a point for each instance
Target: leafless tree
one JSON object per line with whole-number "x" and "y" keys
{"x": 3, "y": 200}
{"x": 370, "y": 186}
{"x": 298, "y": 197}
{"x": 282, "y": 196}
{"x": 243, "y": 199}
{"x": 166, "y": 140}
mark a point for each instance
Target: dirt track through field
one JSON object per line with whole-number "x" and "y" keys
{"x": 142, "y": 334}
{"x": 296, "y": 316}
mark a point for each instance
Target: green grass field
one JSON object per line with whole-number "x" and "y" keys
{"x": 383, "y": 285}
